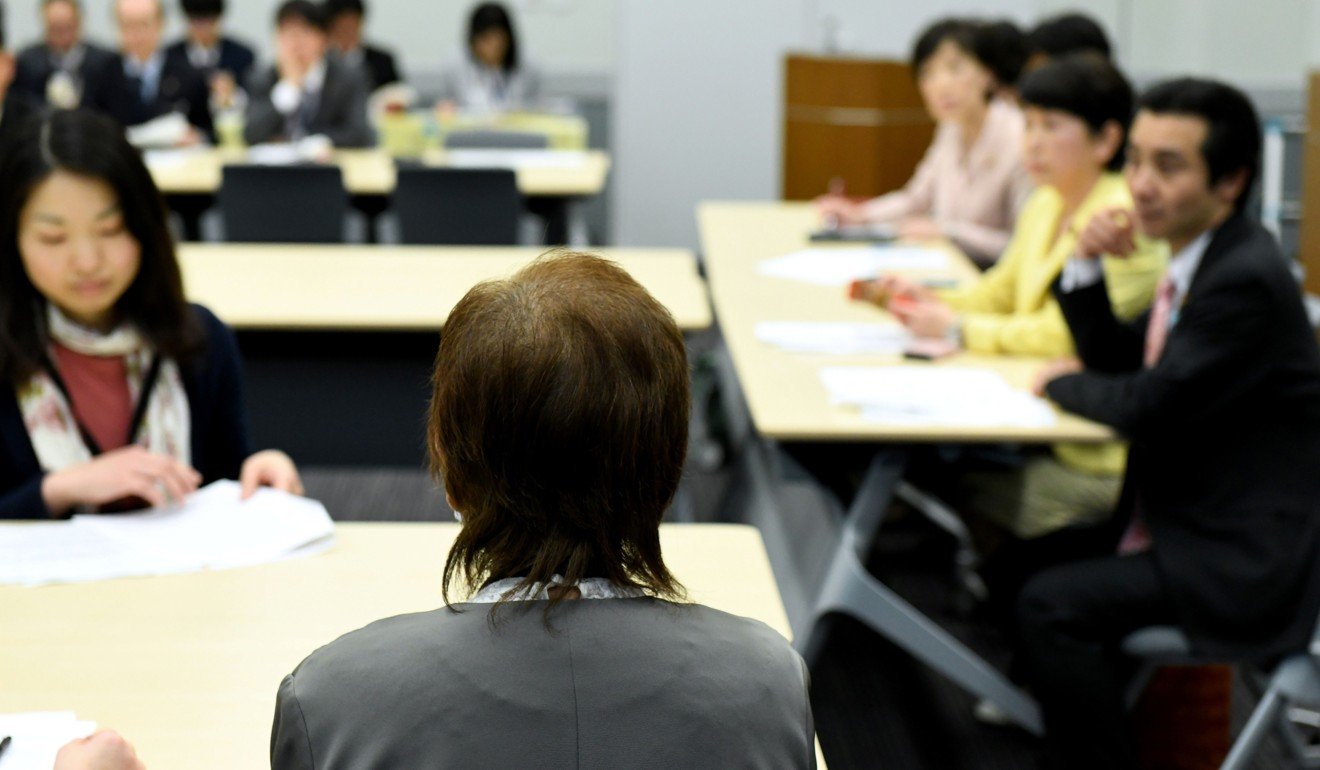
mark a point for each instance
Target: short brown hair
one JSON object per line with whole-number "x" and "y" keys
{"x": 558, "y": 425}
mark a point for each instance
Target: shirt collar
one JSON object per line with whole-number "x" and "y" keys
{"x": 590, "y": 588}
{"x": 315, "y": 77}
{"x": 1183, "y": 265}
{"x": 141, "y": 69}
{"x": 201, "y": 56}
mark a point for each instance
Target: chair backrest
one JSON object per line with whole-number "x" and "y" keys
{"x": 283, "y": 204}
{"x": 499, "y": 140}
{"x": 461, "y": 206}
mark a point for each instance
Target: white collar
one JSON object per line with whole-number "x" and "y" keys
{"x": 1183, "y": 265}
{"x": 591, "y": 588}
{"x": 315, "y": 77}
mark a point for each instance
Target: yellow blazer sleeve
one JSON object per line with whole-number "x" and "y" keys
{"x": 1042, "y": 332}
{"x": 996, "y": 290}
{"x": 1131, "y": 280}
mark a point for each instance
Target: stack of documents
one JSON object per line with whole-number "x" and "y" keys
{"x": 843, "y": 339}
{"x": 212, "y": 529}
{"x": 841, "y": 266}
{"x": 940, "y": 396}
{"x": 37, "y": 737}
{"x": 515, "y": 159}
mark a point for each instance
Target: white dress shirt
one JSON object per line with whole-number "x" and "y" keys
{"x": 288, "y": 97}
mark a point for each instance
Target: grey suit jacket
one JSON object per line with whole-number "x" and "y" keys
{"x": 341, "y": 112}
{"x": 637, "y": 683}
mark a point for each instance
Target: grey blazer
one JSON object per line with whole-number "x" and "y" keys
{"x": 341, "y": 112}
{"x": 637, "y": 683}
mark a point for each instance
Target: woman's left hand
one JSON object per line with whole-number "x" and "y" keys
{"x": 269, "y": 468}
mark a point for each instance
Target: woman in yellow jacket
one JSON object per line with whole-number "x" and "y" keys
{"x": 1076, "y": 109}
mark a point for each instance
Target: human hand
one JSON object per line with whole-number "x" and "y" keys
{"x": 269, "y": 468}
{"x": 919, "y": 228}
{"x": 1054, "y": 370}
{"x": 223, "y": 88}
{"x": 103, "y": 750}
{"x": 924, "y": 317}
{"x": 290, "y": 65}
{"x": 1109, "y": 232}
{"x": 837, "y": 210}
{"x": 130, "y": 471}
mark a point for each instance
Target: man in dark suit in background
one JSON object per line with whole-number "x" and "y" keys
{"x": 346, "y": 19}
{"x": 64, "y": 69}
{"x": 222, "y": 62}
{"x": 1217, "y": 388}
{"x": 145, "y": 84}
{"x": 307, "y": 92}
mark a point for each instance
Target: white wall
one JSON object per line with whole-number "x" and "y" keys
{"x": 695, "y": 109}
{"x": 563, "y": 36}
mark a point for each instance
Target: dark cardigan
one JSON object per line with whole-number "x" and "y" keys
{"x": 220, "y": 437}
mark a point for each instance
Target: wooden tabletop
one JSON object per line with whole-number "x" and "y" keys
{"x": 393, "y": 288}
{"x": 784, "y": 393}
{"x": 187, "y": 666}
{"x": 371, "y": 172}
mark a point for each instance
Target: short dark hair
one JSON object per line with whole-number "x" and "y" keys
{"x": 1002, "y": 47}
{"x": 558, "y": 426}
{"x": 304, "y": 11}
{"x": 90, "y": 145}
{"x": 336, "y": 8}
{"x": 1232, "y": 139}
{"x": 489, "y": 16}
{"x": 960, "y": 31}
{"x": 1067, "y": 34}
{"x": 203, "y": 9}
{"x": 1088, "y": 86}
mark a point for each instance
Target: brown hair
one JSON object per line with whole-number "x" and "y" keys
{"x": 558, "y": 425}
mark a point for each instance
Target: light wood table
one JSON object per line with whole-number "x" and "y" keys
{"x": 784, "y": 393}
{"x": 371, "y": 172}
{"x": 393, "y": 288}
{"x": 187, "y": 666}
{"x": 773, "y": 396}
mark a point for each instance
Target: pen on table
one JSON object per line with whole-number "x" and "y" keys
{"x": 836, "y": 190}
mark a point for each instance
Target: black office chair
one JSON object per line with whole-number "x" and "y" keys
{"x": 458, "y": 206}
{"x": 283, "y": 204}
{"x": 495, "y": 140}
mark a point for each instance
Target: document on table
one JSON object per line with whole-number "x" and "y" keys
{"x": 840, "y": 266}
{"x": 935, "y": 396}
{"x": 886, "y": 339}
{"x": 493, "y": 158}
{"x": 37, "y": 737}
{"x": 212, "y": 529}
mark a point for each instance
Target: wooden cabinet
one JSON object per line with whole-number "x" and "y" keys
{"x": 861, "y": 120}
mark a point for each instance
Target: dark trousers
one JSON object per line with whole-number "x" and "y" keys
{"x": 1071, "y": 619}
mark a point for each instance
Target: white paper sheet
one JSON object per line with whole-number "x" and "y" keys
{"x": 942, "y": 396}
{"x": 37, "y": 737}
{"x": 483, "y": 158}
{"x": 212, "y": 529}
{"x": 887, "y": 339}
{"x": 839, "y": 266}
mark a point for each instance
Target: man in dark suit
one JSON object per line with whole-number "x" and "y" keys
{"x": 222, "y": 62}
{"x": 307, "y": 92}
{"x": 346, "y": 18}
{"x": 145, "y": 85}
{"x": 64, "y": 69}
{"x": 1217, "y": 388}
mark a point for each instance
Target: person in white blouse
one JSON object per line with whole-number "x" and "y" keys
{"x": 971, "y": 184}
{"x": 558, "y": 426}
{"x": 493, "y": 75}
